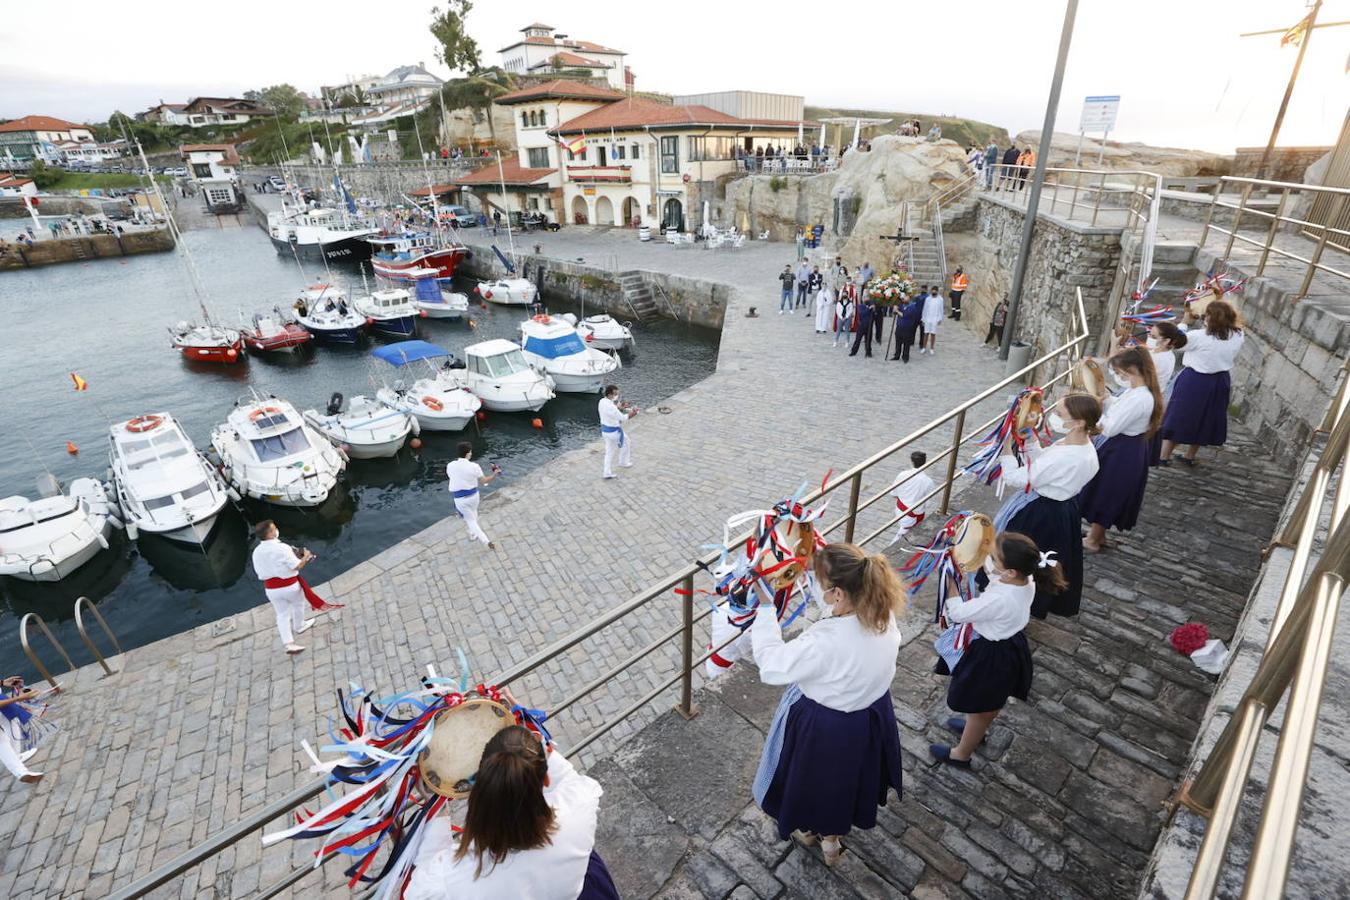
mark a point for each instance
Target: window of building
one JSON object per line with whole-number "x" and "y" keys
{"x": 710, "y": 147}
{"x": 538, "y": 157}
{"x": 534, "y": 203}
{"x": 524, "y": 119}
{"x": 201, "y": 170}
{"x": 636, "y": 155}
{"x": 670, "y": 155}
{"x": 619, "y": 151}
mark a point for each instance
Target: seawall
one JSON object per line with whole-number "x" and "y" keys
{"x": 85, "y": 248}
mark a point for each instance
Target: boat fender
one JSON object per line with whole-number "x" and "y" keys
{"x": 102, "y": 541}
{"x": 487, "y": 295}
{"x": 115, "y": 522}
{"x": 132, "y": 531}
{"x": 232, "y": 494}
{"x": 416, "y": 426}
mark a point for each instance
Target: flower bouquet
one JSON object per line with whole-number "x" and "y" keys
{"x": 890, "y": 290}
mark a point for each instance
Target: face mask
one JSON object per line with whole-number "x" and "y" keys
{"x": 1056, "y": 423}
{"x": 1151, "y": 343}
{"x": 989, "y": 568}
{"x": 1117, "y": 380}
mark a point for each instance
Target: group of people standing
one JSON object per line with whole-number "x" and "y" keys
{"x": 1002, "y": 170}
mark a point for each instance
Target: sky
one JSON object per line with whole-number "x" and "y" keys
{"x": 1185, "y": 77}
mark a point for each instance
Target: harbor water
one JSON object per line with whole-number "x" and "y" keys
{"x": 108, "y": 321}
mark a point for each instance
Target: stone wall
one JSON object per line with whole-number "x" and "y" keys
{"x": 1286, "y": 163}
{"x": 384, "y": 180}
{"x": 83, "y": 249}
{"x": 57, "y": 205}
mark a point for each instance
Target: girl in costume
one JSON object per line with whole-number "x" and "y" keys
{"x": 1044, "y": 501}
{"x": 22, "y": 728}
{"x": 1115, "y": 494}
{"x": 529, "y": 831}
{"x": 1197, "y": 413}
{"x": 832, "y": 754}
{"x": 996, "y": 663}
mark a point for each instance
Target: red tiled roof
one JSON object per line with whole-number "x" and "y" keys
{"x": 572, "y": 59}
{"x": 40, "y": 123}
{"x": 8, "y": 179}
{"x": 633, "y": 112}
{"x": 512, "y": 172}
{"x": 561, "y": 88}
{"x": 438, "y": 188}
{"x": 591, "y": 47}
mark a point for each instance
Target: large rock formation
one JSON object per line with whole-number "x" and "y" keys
{"x": 857, "y": 204}
{"x": 1172, "y": 161}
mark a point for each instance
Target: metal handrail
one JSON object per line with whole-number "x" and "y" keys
{"x": 683, "y": 578}
{"x": 84, "y": 635}
{"x": 51, "y": 638}
{"x": 1296, "y": 659}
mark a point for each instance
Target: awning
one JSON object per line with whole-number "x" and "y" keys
{"x": 404, "y": 352}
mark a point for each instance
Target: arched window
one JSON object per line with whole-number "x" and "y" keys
{"x": 524, "y": 119}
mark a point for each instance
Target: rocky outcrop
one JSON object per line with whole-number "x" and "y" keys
{"x": 462, "y": 126}
{"x": 1172, "y": 161}
{"x": 857, "y": 204}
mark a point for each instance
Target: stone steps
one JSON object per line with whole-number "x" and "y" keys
{"x": 639, "y": 296}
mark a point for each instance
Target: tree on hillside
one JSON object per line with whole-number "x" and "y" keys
{"x": 283, "y": 99}
{"x": 477, "y": 92}
{"x": 458, "y": 51}
{"x": 356, "y": 96}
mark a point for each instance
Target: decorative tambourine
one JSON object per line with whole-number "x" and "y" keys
{"x": 973, "y": 542}
{"x": 955, "y": 554}
{"x": 1030, "y": 409}
{"x": 1087, "y": 376}
{"x": 1023, "y": 422}
{"x": 1214, "y": 287}
{"x": 450, "y": 761}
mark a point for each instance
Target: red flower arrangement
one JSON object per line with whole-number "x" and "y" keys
{"x": 1190, "y": 637}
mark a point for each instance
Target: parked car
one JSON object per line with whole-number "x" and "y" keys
{"x": 460, "y": 216}
{"x": 277, "y": 183}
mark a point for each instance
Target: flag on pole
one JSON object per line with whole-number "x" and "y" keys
{"x": 1296, "y": 34}
{"x": 80, "y": 383}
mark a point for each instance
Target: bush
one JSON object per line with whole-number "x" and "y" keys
{"x": 43, "y": 175}
{"x": 777, "y": 183}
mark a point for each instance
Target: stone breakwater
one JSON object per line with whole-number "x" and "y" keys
{"x": 85, "y": 248}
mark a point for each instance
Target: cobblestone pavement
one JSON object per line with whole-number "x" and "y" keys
{"x": 198, "y": 730}
{"x": 1067, "y": 798}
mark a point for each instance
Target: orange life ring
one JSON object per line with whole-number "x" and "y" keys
{"x": 142, "y": 424}
{"x": 433, "y": 404}
{"x": 262, "y": 411}
{"x": 542, "y": 320}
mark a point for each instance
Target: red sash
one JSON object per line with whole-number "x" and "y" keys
{"x": 315, "y": 601}
{"x": 904, "y": 510}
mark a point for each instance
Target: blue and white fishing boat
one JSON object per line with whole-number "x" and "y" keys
{"x": 389, "y": 311}
{"x": 553, "y": 347}
{"x": 324, "y": 312}
{"x": 439, "y": 399}
{"x": 433, "y": 300}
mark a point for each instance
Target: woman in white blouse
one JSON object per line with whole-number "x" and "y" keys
{"x": 1044, "y": 502}
{"x": 1114, "y": 496}
{"x": 832, "y": 754}
{"x": 529, "y": 831}
{"x": 1197, "y": 413}
{"x": 996, "y": 663}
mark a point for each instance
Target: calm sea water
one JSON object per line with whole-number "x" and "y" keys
{"x": 107, "y": 320}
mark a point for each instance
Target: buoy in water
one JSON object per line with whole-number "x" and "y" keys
{"x": 71, "y": 448}
{"x": 537, "y": 423}
{"x": 415, "y": 443}
{"x": 481, "y": 415}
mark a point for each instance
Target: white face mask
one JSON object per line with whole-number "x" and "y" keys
{"x": 1152, "y": 343}
{"x": 1056, "y": 423}
{"x": 989, "y": 568}
{"x": 1117, "y": 380}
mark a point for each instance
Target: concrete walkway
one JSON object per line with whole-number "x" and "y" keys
{"x": 1066, "y": 800}
{"x": 198, "y": 730}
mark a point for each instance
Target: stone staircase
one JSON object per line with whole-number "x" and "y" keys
{"x": 927, "y": 267}
{"x": 638, "y": 294}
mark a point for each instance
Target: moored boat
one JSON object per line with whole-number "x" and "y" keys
{"x": 162, "y": 484}
{"x": 366, "y": 429}
{"x": 496, "y": 371}
{"x": 324, "y": 312}
{"x": 439, "y": 400}
{"x": 603, "y": 332}
{"x": 267, "y": 452}
{"x": 49, "y": 538}
{"x": 398, "y": 256}
{"x": 389, "y": 311}
{"x": 552, "y": 345}
{"x": 274, "y": 332}
{"x": 435, "y": 301}
{"x": 208, "y": 342}
{"x": 319, "y": 234}
{"x": 508, "y": 291}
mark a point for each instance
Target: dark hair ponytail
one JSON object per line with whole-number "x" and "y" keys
{"x": 1021, "y": 554}
{"x": 507, "y": 810}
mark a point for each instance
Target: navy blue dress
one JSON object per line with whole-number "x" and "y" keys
{"x": 1197, "y": 413}
{"x": 1113, "y": 498}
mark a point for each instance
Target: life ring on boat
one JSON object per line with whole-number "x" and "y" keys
{"x": 142, "y": 424}
{"x": 542, "y": 319}
{"x": 262, "y": 411}
{"x": 433, "y": 404}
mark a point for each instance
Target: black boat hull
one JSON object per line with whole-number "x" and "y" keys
{"x": 351, "y": 249}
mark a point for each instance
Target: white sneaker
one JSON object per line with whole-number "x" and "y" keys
{"x": 780, "y": 312}
{"x": 293, "y": 649}
{"x": 625, "y": 465}
{"x": 306, "y": 626}
{"x": 609, "y": 476}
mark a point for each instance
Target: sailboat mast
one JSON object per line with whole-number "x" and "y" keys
{"x": 501, "y": 176}
{"x": 176, "y": 233}
{"x": 426, "y": 171}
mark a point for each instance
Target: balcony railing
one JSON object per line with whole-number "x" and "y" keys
{"x": 600, "y": 174}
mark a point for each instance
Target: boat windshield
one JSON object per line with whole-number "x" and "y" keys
{"x": 567, "y": 344}
{"x": 159, "y": 447}
{"x": 13, "y": 521}
{"x": 279, "y": 446}
{"x": 508, "y": 363}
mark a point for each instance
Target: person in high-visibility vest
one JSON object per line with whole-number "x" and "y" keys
{"x": 960, "y": 281}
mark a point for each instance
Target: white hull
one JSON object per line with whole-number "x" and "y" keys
{"x": 439, "y": 311}
{"x": 49, "y": 570}
{"x": 577, "y": 384}
{"x": 511, "y": 292}
{"x": 303, "y": 477}
{"x": 376, "y": 434}
{"x": 56, "y": 547}
{"x": 607, "y": 343}
{"x": 515, "y": 403}
{"x": 432, "y": 422}
{"x": 195, "y": 533}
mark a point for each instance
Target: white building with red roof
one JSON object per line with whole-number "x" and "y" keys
{"x": 37, "y": 137}
{"x": 542, "y": 49}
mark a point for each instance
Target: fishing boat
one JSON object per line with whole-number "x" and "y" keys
{"x": 162, "y": 484}
{"x": 324, "y": 312}
{"x": 496, "y": 371}
{"x": 320, "y": 235}
{"x": 434, "y": 301}
{"x": 398, "y": 256}
{"x": 439, "y": 399}
{"x": 552, "y": 346}
{"x": 49, "y": 538}
{"x": 389, "y": 311}
{"x": 267, "y": 452}
{"x": 208, "y": 342}
{"x": 508, "y": 291}
{"x": 603, "y": 332}
{"x": 366, "y": 429}
{"x": 274, "y": 332}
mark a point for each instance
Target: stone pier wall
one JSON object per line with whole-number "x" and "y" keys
{"x": 83, "y": 249}
{"x": 376, "y": 179}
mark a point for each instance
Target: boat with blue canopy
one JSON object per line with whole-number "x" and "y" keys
{"x": 439, "y": 398}
{"x": 552, "y": 346}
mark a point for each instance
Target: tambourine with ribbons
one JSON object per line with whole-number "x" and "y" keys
{"x": 1022, "y": 425}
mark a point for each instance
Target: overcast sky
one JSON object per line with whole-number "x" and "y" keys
{"x": 1185, "y": 76}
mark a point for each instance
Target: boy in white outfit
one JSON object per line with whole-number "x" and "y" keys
{"x": 612, "y": 419}
{"x": 466, "y": 477}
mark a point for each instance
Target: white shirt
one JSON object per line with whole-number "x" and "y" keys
{"x": 914, "y": 490}
{"x": 1165, "y": 362}
{"x": 555, "y": 871}
{"x": 610, "y": 414}
{"x": 1207, "y": 354}
{"x": 1129, "y": 413}
{"x": 1057, "y": 472}
{"x": 463, "y": 474}
{"x": 843, "y": 308}
{"x": 836, "y": 662}
{"x": 932, "y": 308}
{"x": 999, "y": 613}
{"x": 273, "y": 559}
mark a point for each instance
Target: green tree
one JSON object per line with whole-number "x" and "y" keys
{"x": 283, "y": 99}
{"x": 477, "y": 92}
{"x": 43, "y": 175}
{"x": 458, "y": 51}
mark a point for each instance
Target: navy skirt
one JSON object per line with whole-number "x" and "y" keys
{"x": 988, "y": 674}
{"x": 598, "y": 884}
{"x": 1053, "y": 525}
{"x": 834, "y": 768}
{"x": 1114, "y": 496}
{"x": 1198, "y": 410}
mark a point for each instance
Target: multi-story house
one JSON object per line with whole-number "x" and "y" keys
{"x": 202, "y": 112}
{"x": 38, "y": 137}
{"x": 543, "y": 50}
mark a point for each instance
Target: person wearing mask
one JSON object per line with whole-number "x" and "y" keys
{"x": 278, "y": 566}
{"x": 866, "y": 312}
{"x": 1114, "y": 496}
{"x": 996, "y": 323}
{"x": 932, "y": 318}
{"x": 844, "y": 310}
{"x": 529, "y": 831}
{"x": 1044, "y": 490}
{"x": 1197, "y": 413}
{"x": 1007, "y": 173}
{"x": 789, "y": 283}
{"x": 832, "y": 754}
{"x": 803, "y": 279}
{"x": 907, "y": 326}
{"x": 465, "y": 477}
{"x": 990, "y": 163}
{"x": 613, "y": 415}
{"x": 960, "y": 282}
{"x": 814, "y": 282}
{"x": 824, "y": 306}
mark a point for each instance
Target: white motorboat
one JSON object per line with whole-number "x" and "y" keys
{"x": 508, "y": 291}
{"x": 367, "y": 429}
{"x": 498, "y": 373}
{"x": 49, "y": 538}
{"x": 389, "y": 311}
{"x": 324, "y": 312}
{"x": 162, "y": 484}
{"x": 267, "y": 452}
{"x": 439, "y": 400}
{"x": 553, "y": 347}
{"x": 434, "y": 301}
{"x": 603, "y": 332}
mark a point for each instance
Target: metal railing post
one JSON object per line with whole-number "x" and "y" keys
{"x": 1333, "y": 216}
{"x": 957, "y": 433}
{"x": 84, "y": 635}
{"x": 1237, "y": 220}
{"x": 855, "y": 488}
{"x": 1209, "y": 215}
{"x": 1274, "y": 227}
{"x": 51, "y": 638}
{"x": 1097, "y": 198}
{"x": 686, "y": 706}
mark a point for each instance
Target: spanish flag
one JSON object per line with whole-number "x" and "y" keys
{"x": 80, "y": 383}
{"x": 576, "y": 145}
